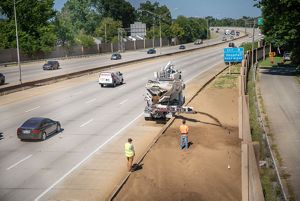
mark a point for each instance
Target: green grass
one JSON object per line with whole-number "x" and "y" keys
{"x": 268, "y": 176}
{"x": 228, "y": 79}
{"x": 267, "y": 63}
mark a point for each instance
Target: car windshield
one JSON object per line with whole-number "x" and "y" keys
{"x": 32, "y": 123}
{"x": 50, "y": 62}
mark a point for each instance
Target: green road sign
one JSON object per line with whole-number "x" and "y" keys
{"x": 260, "y": 21}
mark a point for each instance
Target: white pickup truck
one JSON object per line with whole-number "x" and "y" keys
{"x": 110, "y": 78}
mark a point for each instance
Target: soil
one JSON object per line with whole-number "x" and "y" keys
{"x": 209, "y": 170}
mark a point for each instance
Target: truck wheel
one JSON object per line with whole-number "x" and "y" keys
{"x": 114, "y": 84}
{"x": 148, "y": 118}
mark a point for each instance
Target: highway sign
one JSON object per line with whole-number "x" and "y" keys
{"x": 233, "y": 54}
{"x": 260, "y": 21}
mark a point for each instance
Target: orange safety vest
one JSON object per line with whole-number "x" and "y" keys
{"x": 184, "y": 129}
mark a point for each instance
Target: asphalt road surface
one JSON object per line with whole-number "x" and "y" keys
{"x": 89, "y": 114}
{"x": 281, "y": 94}
{"x": 33, "y": 71}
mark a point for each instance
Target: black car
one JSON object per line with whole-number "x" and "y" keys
{"x": 231, "y": 45}
{"x": 51, "y": 65}
{"x": 38, "y": 128}
{"x": 116, "y": 56}
{"x": 2, "y": 79}
{"x": 182, "y": 47}
{"x": 151, "y": 51}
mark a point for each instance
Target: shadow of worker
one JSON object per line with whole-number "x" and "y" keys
{"x": 136, "y": 167}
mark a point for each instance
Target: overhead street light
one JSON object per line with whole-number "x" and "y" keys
{"x": 158, "y": 16}
{"x": 17, "y": 40}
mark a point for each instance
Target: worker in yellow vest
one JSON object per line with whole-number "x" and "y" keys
{"x": 129, "y": 153}
{"x": 184, "y": 130}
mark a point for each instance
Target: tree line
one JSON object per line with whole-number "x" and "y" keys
{"x": 79, "y": 22}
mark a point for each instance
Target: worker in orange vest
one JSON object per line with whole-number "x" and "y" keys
{"x": 184, "y": 129}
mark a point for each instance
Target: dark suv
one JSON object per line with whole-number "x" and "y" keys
{"x": 2, "y": 79}
{"x": 51, "y": 65}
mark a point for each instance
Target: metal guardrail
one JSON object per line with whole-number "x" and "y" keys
{"x": 31, "y": 84}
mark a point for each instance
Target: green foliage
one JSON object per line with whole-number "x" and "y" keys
{"x": 84, "y": 39}
{"x": 193, "y": 28}
{"x": 119, "y": 10}
{"x": 248, "y": 46}
{"x": 36, "y": 33}
{"x": 111, "y": 28}
{"x": 281, "y": 24}
{"x": 176, "y": 30}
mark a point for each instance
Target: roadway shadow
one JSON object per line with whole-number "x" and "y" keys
{"x": 137, "y": 167}
{"x": 218, "y": 123}
{"x": 281, "y": 70}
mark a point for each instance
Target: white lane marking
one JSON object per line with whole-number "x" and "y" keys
{"x": 86, "y": 158}
{"x": 77, "y": 93}
{"x": 86, "y": 123}
{"x": 17, "y": 163}
{"x": 32, "y": 109}
{"x": 92, "y": 100}
{"x": 124, "y": 101}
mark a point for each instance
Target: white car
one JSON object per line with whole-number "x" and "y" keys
{"x": 111, "y": 78}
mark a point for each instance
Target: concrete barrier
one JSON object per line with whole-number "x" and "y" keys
{"x": 251, "y": 184}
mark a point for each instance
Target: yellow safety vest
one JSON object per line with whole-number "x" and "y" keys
{"x": 129, "y": 150}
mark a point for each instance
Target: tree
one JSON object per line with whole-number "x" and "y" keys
{"x": 36, "y": 32}
{"x": 79, "y": 15}
{"x": 282, "y": 25}
{"x": 176, "y": 30}
{"x": 119, "y": 10}
{"x": 111, "y": 27}
{"x": 155, "y": 8}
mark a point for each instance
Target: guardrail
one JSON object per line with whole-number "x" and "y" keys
{"x": 31, "y": 84}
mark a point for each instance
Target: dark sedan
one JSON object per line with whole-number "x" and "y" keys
{"x": 51, "y": 65}
{"x": 182, "y": 47}
{"x": 2, "y": 79}
{"x": 151, "y": 51}
{"x": 116, "y": 56}
{"x": 38, "y": 128}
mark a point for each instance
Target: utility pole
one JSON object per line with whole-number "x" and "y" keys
{"x": 252, "y": 54}
{"x": 160, "y": 39}
{"x": 207, "y": 29}
{"x": 105, "y": 32}
{"x": 17, "y": 40}
{"x": 153, "y": 38}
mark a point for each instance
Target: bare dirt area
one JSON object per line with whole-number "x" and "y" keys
{"x": 209, "y": 170}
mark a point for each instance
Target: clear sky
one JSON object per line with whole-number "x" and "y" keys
{"x": 201, "y": 8}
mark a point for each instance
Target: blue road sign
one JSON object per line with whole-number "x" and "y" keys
{"x": 233, "y": 54}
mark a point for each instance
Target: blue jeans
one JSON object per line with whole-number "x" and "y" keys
{"x": 184, "y": 141}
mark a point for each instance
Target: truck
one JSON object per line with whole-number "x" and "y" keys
{"x": 164, "y": 94}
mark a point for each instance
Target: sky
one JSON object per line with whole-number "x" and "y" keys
{"x": 200, "y": 8}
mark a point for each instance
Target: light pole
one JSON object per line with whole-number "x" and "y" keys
{"x": 159, "y": 17}
{"x": 207, "y": 29}
{"x": 17, "y": 40}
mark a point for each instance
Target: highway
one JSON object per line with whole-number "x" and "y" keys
{"x": 90, "y": 115}
{"x": 33, "y": 71}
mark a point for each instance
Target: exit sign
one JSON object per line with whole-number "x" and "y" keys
{"x": 260, "y": 21}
